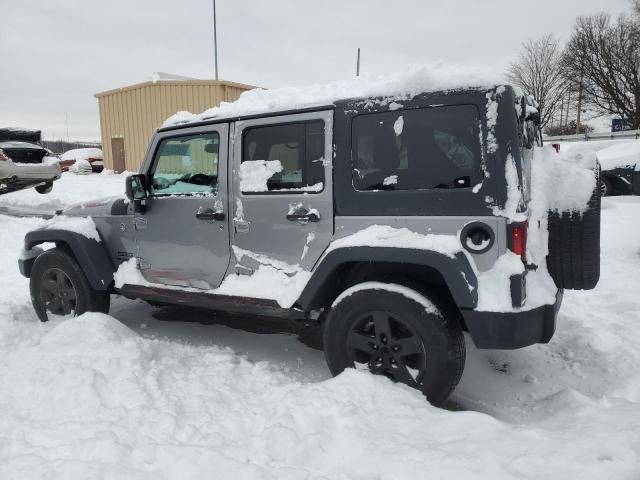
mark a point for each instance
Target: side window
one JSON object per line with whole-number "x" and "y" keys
{"x": 418, "y": 149}
{"x": 283, "y": 158}
{"x": 186, "y": 165}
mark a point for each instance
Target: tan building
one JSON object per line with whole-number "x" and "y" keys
{"x": 130, "y": 115}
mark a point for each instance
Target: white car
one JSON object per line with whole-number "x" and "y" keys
{"x": 16, "y": 176}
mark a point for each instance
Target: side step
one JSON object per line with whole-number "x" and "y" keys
{"x": 210, "y": 301}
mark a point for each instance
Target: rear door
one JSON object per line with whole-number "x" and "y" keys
{"x": 183, "y": 236}
{"x": 282, "y": 190}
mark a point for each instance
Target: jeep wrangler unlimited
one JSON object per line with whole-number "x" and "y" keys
{"x": 379, "y": 217}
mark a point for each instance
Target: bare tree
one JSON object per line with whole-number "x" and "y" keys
{"x": 603, "y": 59}
{"x": 538, "y": 72}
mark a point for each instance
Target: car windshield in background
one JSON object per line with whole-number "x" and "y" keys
{"x": 427, "y": 148}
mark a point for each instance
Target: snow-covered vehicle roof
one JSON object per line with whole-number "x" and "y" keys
{"x": 78, "y": 154}
{"x": 621, "y": 155}
{"x": 390, "y": 88}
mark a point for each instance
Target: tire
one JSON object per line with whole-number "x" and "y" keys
{"x": 574, "y": 246}
{"x": 605, "y": 187}
{"x": 59, "y": 286}
{"x": 46, "y": 188}
{"x": 386, "y": 328}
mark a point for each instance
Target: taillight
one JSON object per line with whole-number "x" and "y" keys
{"x": 3, "y": 157}
{"x": 519, "y": 240}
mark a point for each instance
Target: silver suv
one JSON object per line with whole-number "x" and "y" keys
{"x": 376, "y": 218}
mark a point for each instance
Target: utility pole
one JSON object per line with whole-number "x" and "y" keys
{"x": 358, "y": 64}
{"x": 579, "y": 104}
{"x": 66, "y": 121}
{"x": 215, "y": 39}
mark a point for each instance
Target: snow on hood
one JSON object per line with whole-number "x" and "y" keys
{"x": 622, "y": 155}
{"x": 394, "y": 87}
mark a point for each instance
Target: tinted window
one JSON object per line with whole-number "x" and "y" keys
{"x": 283, "y": 157}
{"x": 187, "y": 164}
{"x": 426, "y": 148}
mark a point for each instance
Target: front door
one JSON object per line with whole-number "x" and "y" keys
{"x": 183, "y": 236}
{"x": 282, "y": 187}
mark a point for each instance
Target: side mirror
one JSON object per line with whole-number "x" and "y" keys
{"x": 136, "y": 191}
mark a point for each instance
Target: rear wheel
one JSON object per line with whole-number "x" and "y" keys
{"x": 393, "y": 331}
{"x": 59, "y": 287}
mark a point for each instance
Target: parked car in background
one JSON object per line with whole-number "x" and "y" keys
{"x": 24, "y": 152}
{"x": 91, "y": 155}
{"x": 16, "y": 176}
{"x": 620, "y": 165}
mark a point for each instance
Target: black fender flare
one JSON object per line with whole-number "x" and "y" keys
{"x": 90, "y": 254}
{"x": 456, "y": 271}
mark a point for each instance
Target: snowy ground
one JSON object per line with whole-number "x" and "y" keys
{"x": 135, "y": 396}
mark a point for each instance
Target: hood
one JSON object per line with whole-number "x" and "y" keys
{"x": 95, "y": 208}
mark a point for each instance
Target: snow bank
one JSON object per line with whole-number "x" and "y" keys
{"x": 92, "y": 398}
{"x": 395, "y": 87}
{"x": 622, "y": 155}
{"x": 82, "y": 225}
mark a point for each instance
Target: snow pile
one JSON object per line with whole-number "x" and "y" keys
{"x": 494, "y": 284}
{"x": 394, "y": 87}
{"x": 78, "y": 154}
{"x": 254, "y": 174}
{"x": 386, "y": 236}
{"x": 561, "y": 182}
{"x": 81, "y": 167}
{"x": 92, "y": 398}
{"x": 622, "y": 155}
{"x": 82, "y": 225}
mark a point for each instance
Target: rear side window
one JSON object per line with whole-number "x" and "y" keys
{"x": 427, "y": 148}
{"x": 284, "y": 157}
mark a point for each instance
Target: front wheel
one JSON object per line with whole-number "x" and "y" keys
{"x": 59, "y": 286}
{"x": 394, "y": 331}
{"x": 45, "y": 188}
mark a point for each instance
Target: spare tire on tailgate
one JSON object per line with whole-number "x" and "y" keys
{"x": 574, "y": 245}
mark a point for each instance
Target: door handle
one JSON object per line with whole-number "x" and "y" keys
{"x": 303, "y": 215}
{"x": 209, "y": 214}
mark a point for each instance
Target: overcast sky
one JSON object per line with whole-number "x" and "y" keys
{"x": 57, "y": 54}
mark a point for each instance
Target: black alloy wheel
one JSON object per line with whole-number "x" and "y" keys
{"x": 57, "y": 292}
{"x": 59, "y": 286}
{"x": 388, "y": 346}
{"x": 391, "y": 330}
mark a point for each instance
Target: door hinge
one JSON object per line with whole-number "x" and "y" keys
{"x": 139, "y": 223}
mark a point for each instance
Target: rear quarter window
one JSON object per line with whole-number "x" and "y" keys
{"x": 418, "y": 149}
